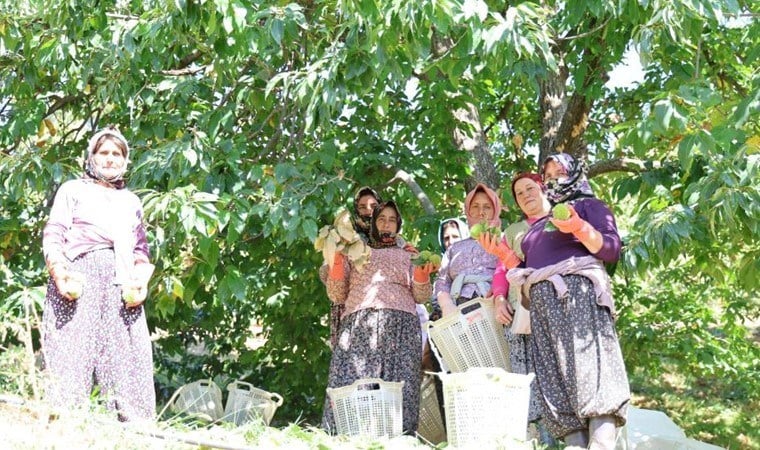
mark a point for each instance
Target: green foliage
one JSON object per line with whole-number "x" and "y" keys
{"x": 251, "y": 124}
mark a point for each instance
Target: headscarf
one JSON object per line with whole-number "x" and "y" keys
{"x": 530, "y": 175}
{"x": 464, "y": 230}
{"x": 91, "y": 170}
{"x": 384, "y": 240}
{"x": 361, "y": 223}
{"x": 574, "y": 186}
{"x": 495, "y": 201}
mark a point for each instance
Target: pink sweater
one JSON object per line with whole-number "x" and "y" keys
{"x": 385, "y": 282}
{"x": 87, "y": 216}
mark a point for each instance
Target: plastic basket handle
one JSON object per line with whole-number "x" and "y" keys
{"x": 277, "y": 398}
{"x": 237, "y": 384}
{"x": 435, "y": 351}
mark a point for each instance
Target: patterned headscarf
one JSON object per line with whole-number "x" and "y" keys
{"x": 384, "y": 240}
{"x": 91, "y": 170}
{"x": 495, "y": 200}
{"x": 574, "y": 186}
{"x": 361, "y": 223}
{"x": 464, "y": 230}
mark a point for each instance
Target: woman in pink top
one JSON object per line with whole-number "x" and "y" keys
{"x": 379, "y": 335}
{"x": 529, "y": 193}
{"x": 94, "y": 327}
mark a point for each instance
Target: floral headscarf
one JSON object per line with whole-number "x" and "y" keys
{"x": 495, "y": 200}
{"x": 574, "y": 186}
{"x": 92, "y": 170}
{"x": 361, "y": 223}
{"x": 383, "y": 240}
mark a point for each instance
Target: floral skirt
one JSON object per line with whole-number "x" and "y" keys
{"x": 378, "y": 343}
{"x": 96, "y": 339}
{"x": 579, "y": 366}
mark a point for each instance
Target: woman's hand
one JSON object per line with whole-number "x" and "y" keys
{"x": 498, "y": 247}
{"x": 422, "y": 273}
{"x": 134, "y": 293}
{"x": 68, "y": 283}
{"x": 504, "y": 310}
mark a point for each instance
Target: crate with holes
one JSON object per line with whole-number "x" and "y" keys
{"x": 472, "y": 338}
{"x": 368, "y": 407}
{"x": 246, "y": 403}
{"x": 486, "y": 407}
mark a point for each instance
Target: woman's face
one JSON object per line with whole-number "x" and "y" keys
{"x": 451, "y": 234}
{"x": 553, "y": 171}
{"x": 530, "y": 198}
{"x": 109, "y": 158}
{"x": 387, "y": 221}
{"x": 366, "y": 205}
{"x": 481, "y": 207}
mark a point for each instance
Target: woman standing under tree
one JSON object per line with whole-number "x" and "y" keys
{"x": 379, "y": 335}
{"x": 94, "y": 327}
{"x": 529, "y": 193}
{"x": 579, "y": 366}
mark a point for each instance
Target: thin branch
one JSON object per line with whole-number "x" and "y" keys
{"x": 405, "y": 177}
{"x": 183, "y": 72}
{"x": 586, "y": 33}
{"x": 501, "y": 116}
{"x": 62, "y": 102}
{"x": 631, "y": 165}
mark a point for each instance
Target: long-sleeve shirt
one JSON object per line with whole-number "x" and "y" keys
{"x": 513, "y": 236}
{"x": 385, "y": 282}
{"x": 87, "y": 216}
{"x": 465, "y": 258}
{"x": 544, "y": 248}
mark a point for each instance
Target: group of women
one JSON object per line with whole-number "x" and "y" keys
{"x": 550, "y": 267}
{"x": 94, "y": 327}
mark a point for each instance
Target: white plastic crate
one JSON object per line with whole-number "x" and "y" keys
{"x": 246, "y": 403}
{"x": 368, "y": 407}
{"x": 201, "y": 397}
{"x": 430, "y": 425}
{"x": 486, "y": 407}
{"x": 472, "y": 338}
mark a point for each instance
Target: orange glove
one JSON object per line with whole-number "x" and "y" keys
{"x": 411, "y": 249}
{"x": 338, "y": 272}
{"x": 577, "y": 227}
{"x": 422, "y": 273}
{"x": 499, "y": 248}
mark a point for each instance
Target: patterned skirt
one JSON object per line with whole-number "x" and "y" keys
{"x": 579, "y": 366}
{"x": 96, "y": 339}
{"x": 378, "y": 343}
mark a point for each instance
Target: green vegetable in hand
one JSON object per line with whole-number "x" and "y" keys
{"x": 478, "y": 229}
{"x": 561, "y": 212}
{"x": 425, "y": 257}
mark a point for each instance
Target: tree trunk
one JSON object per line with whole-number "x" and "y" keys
{"x": 469, "y": 137}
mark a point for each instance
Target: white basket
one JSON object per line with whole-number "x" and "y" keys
{"x": 472, "y": 338}
{"x": 375, "y": 410}
{"x": 486, "y": 407}
{"x": 246, "y": 403}
{"x": 199, "y": 397}
{"x": 430, "y": 426}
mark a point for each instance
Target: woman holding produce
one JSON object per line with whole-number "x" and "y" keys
{"x": 379, "y": 334}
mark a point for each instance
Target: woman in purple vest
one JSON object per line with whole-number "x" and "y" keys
{"x": 579, "y": 367}
{"x": 94, "y": 328}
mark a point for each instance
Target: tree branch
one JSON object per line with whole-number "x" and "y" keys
{"x": 403, "y": 176}
{"x": 183, "y": 71}
{"x": 62, "y": 102}
{"x": 631, "y": 165}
